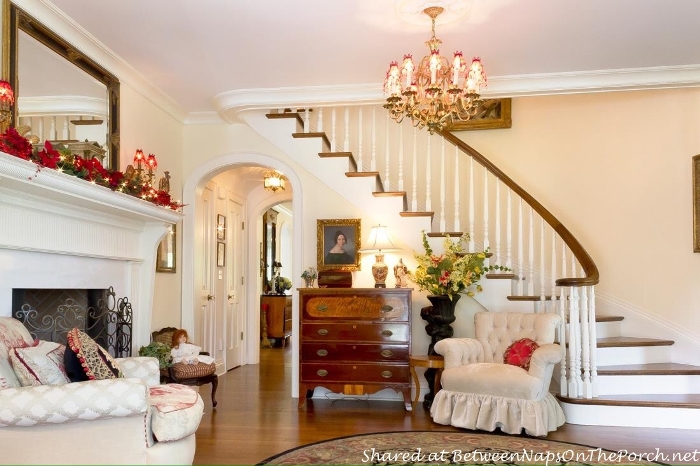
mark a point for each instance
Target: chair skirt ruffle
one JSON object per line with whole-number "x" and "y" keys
{"x": 485, "y": 412}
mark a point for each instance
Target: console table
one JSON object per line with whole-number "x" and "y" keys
{"x": 279, "y": 316}
{"x": 355, "y": 341}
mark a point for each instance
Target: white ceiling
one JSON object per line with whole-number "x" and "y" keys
{"x": 196, "y": 50}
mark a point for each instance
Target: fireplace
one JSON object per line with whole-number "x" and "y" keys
{"x": 63, "y": 233}
{"x": 49, "y": 314}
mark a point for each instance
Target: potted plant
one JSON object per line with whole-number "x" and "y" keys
{"x": 309, "y": 275}
{"x": 160, "y": 351}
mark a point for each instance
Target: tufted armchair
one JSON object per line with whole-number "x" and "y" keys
{"x": 126, "y": 420}
{"x": 480, "y": 391}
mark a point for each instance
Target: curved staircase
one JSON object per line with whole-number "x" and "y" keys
{"x": 632, "y": 381}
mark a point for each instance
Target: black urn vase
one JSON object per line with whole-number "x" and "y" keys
{"x": 439, "y": 315}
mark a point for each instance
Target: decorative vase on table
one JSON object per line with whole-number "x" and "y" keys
{"x": 439, "y": 315}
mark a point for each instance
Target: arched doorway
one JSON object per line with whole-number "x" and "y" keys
{"x": 257, "y": 201}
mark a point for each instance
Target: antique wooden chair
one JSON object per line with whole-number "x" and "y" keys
{"x": 185, "y": 374}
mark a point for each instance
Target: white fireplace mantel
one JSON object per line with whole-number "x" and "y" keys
{"x": 58, "y": 231}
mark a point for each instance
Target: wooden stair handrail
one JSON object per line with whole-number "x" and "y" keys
{"x": 590, "y": 270}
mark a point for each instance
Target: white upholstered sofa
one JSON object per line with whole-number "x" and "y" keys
{"x": 129, "y": 420}
{"x": 480, "y": 391}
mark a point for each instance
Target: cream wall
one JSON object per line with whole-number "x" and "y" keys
{"x": 615, "y": 168}
{"x": 145, "y": 126}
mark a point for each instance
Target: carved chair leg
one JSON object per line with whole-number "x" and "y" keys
{"x": 214, "y": 386}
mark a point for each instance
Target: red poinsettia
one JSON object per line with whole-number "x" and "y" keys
{"x": 15, "y": 144}
{"x": 48, "y": 156}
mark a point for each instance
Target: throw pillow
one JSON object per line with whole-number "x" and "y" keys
{"x": 193, "y": 371}
{"x": 86, "y": 360}
{"x": 519, "y": 353}
{"x": 39, "y": 365}
{"x": 8, "y": 378}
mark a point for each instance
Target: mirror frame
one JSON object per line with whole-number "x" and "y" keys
{"x": 19, "y": 20}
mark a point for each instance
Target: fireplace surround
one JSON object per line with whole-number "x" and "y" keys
{"x": 61, "y": 232}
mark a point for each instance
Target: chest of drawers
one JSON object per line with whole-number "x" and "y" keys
{"x": 355, "y": 341}
{"x": 279, "y": 316}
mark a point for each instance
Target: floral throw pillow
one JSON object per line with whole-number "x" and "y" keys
{"x": 86, "y": 360}
{"x": 519, "y": 353}
{"x": 41, "y": 364}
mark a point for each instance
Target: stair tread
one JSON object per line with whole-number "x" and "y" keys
{"x": 684, "y": 400}
{"x": 323, "y": 137}
{"x": 502, "y": 276}
{"x": 530, "y": 298}
{"x": 610, "y": 342}
{"x": 335, "y": 154}
{"x": 361, "y": 174}
{"x": 440, "y": 234}
{"x": 388, "y": 193}
{"x": 416, "y": 214}
{"x": 663, "y": 368}
{"x": 606, "y": 318}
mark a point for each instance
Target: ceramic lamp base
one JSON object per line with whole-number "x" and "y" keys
{"x": 380, "y": 271}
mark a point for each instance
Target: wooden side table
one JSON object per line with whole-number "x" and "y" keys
{"x": 436, "y": 362}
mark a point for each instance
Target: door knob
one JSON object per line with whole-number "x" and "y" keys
{"x": 230, "y": 296}
{"x": 210, "y": 297}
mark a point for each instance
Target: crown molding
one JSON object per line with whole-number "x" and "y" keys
{"x": 63, "y": 105}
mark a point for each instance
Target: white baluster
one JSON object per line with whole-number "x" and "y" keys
{"x": 564, "y": 316}
{"x": 594, "y": 343}
{"x": 428, "y": 187}
{"x": 400, "y": 184}
{"x": 457, "y": 226}
{"x": 319, "y": 122}
{"x": 585, "y": 344}
{"x": 414, "y": 194}
{"x": 471, "y": 204}
{"x": 387, "y": 184}
{"x": 66, "y": 129}
{"x": 486, "y": 215}
{"x": 531, "y": 255}
{"x": 574, "y": 345}
{"x": 373, "y": 159}
{"x": 509, "y": 231}
{"x": 359, "y": 142}
{"x": 443, "y": 227}
{"x": 346, "y": 145}
{"x": 543, "y": 298}
{"x": 333, "y": 122}
{"x": 307, "y": 120}
{"x": 498, "y": 222}
{"x": 521, "y": 272}
{"x": 52, "y": 129}
{"x": 40, "y": 133}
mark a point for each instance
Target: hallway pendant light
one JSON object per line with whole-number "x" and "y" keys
{"x": 438, "y": 92}
{"x": 273, "y": 180}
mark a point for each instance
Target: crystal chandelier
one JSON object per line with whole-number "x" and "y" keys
{"x": 438, "y": 93}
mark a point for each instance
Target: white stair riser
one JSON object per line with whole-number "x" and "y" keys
{"x": 633, "y": 355}
{"x": 632, "y": 416}
{"x": 606, "y": 329}
{"x": 648, "y": 384}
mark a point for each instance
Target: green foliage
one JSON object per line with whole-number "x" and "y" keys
{"x": 160, "y": 351}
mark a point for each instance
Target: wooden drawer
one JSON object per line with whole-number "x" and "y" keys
{"x": 358, "y": 332}
{"x": 313, "y": 352}
{"x": 368, "y": 306}
{"x": 356, "y": 373}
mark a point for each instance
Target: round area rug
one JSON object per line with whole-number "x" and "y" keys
{"x": 433, "y": 448}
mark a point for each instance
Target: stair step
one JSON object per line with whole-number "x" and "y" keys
{"x": 440, "y": 234}
{"x": 609, "y": 318}
{"x": 389, "y": 193}
{"x": 347, "y": 155}
{"x": 326, "y": 142}
{"x": 417, "y": 214}
{"x": 618, "y": 342}
{"x": 684, "y": 400}
{"x": 502, "y": 276}
{"x": 667, "y": 368}
{"x": 531, "y": 298}
{"x": 294, "y": 115}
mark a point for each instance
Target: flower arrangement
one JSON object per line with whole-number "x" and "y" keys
{"x": 62, "y": 160}
{"x": 283, "y": 284}
{"x": 309, "y": 274}
{"x": 453, "y": 272}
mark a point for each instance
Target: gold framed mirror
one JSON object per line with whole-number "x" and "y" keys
{"x": 61, "y": 94}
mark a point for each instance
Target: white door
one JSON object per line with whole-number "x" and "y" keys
{"x": 234, "y": 317}
{"x": 205, "y": 266}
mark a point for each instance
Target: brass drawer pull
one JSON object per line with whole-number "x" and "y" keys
{"x": 386, "y": 374}
{"x": 386, "y": 308}
{"x": 322, "y": 307}
{"x": 323, "y": 372}
{"x": 387, "y": 353}
{"x": 322, "y": 352}
{"x": 387, "y": 333}
{"x": 323, "y": 331}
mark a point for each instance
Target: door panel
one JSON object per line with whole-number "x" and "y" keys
{"x": 234, "y": 315}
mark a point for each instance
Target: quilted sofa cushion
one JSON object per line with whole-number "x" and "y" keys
{"x": 176, "y": 411}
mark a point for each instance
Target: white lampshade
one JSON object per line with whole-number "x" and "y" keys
{"x": 379, "y": 241}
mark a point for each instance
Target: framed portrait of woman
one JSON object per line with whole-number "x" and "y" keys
{"x": 338, "y": 244}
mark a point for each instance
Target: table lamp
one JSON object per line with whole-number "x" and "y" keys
{"x": 379, "y": 243}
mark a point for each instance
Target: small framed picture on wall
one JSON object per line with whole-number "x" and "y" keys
{"x": 220, "y": 227}
{"x": 220, "y": 254}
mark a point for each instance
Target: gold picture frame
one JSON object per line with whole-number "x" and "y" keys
{"x": 166, "y": 255}
{"x": 492, "y": 114}
{"x": 220, "y": 254}
{"x": 696, "y": 203}
{"x": 220, "y": 227}
{"x": 327, "y": 234}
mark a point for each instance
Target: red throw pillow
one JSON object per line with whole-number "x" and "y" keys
{"x": 519, "y": 353}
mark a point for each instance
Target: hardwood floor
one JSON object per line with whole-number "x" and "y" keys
{"x": 256, "y": 418}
